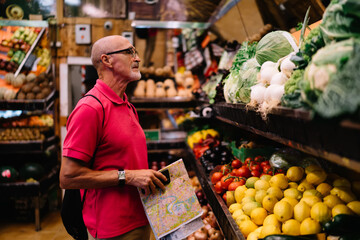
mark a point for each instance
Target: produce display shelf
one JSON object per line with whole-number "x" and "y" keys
{"x": 221, "y": 211}
{"x": 29, "y": 105}
{"x": 329, "y": 139}
{"x": 27, "y": 146}
{"x": 163, "y": 103}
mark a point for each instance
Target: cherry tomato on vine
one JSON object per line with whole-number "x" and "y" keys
{"x": 248, "y": 160}
{"x": 266, "y": 168}
{"x": 225, "y": 181}
{"x": 244, "y": 172}
{"x": 255, "y": 173}
{"x": 255, "y": 167}
{"x": 225, "y": 169}
{"x": 236, "y": 183}
{"x": 216, "y": 177}
{"x": 218, "y": 188}
{"x": 236, "y": 163}
{"x": 264, "y": 163}
{"x": 224, "y": 197}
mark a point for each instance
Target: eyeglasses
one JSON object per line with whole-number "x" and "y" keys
{"x": 130, "y": 50}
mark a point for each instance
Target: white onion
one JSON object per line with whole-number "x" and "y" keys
{"x": 287, "y": 66}
{"x": 257, "y": 93}
{"x": 278, "y": 78}
{"x": 267, "y": 64}
{"x": 274, "y": 93}
{"x": 267, "y": 73}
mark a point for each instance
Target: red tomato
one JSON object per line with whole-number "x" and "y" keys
{"x": 255, "y": 167}
{"x": 234, "y": 172}
{"x": 244, "y": 172}
{"x": 216, "y": 177}
{"x": 235, "y": 184}
{"x": 255, "y": 173}
{"x": 225, "y": 181}
{"x": 218, "y": 188}
{"x": 236, "y": 163}
{"x": 266, "y": 168}
{"x": 225, "y": 169}
{"x": 247, "y": 160}
{"x": 264, "y": 163}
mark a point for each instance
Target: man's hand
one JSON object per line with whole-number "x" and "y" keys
{"x": 145, "y": 179}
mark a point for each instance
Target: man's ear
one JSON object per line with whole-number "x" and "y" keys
{"x": 106, "y": 60}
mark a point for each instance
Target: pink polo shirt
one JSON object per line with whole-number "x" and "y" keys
{"x": 108, "y": 212}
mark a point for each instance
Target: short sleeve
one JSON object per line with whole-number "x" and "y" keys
{"x": 83, "y": 133}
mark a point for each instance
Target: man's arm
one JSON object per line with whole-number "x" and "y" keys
{"x": 74, "y": 174}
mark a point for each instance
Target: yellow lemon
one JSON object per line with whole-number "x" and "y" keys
{"x": 310, "y": 200}
{"x": 312, "y": 168}
{"x": 258, "y": 215}
{"x": 230, "y": 198}
{"x": 272, "y": 220}
{"x": 241, "y": 218}
{"x": 341, "y": 209}
{"x": 355, "y": 186}
{"x": 275, "y": 191}
{"x": 279, "y": 180}
{"x": 293, "y": 193}
{"x": 295, "y": 174}
{"x": 234, "y": 206}
{"x": 250, "y": 192}
{"x": 293, "y": 185}
{"x": 240, "y": 193}
{"x": 301, "y": 211}
{"x": 247, "y": 226}
{"x": 324, "y": 189}
{"x": 269, "y": 202}
{"x": 259, "y": 196}
{"x": 247, "y": 199}
{"x": 292, "y": 201}
{"x": 265, "y": 177}
{"x": 320, "y": 212}
{"x": 304, "y": 185}
{"x": 316, "y": 177}
{"x": 312, "y": 192}
{"x": 342, "y": 182}
{"x": 283, "y": 211}
{"x": 309, "y": 226}
{"x": 250, "y": 182}
{"x": 332, "y": 200}
{"x": 253, "y": 236}
{"x": 237, "y": 213}
{"x": 258, "y": 230}
{"x": 291, "y": 227}
{"x": 269, "y": 230}
{"x": 344, "y": 194}
{"x": 248, "y": 207}
{"x": 262, "y": 185}
{"x": 354, "y": 206}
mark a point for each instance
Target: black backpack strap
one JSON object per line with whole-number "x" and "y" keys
{"x": 90, "y": 95}
{"x": 93, "y": 158}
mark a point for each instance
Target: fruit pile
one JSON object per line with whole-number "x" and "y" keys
{"x": 21, "y": 134}
{"x": 299, "y": 202}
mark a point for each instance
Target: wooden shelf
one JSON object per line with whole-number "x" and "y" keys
{"x": 333, "y": 140}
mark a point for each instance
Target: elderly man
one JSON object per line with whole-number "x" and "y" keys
{"x": 105, "y": 128}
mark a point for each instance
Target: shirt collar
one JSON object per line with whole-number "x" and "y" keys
{"x": 109, "y": 93}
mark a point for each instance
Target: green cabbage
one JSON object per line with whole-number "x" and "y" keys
{"x": 274, "y": 46}
{"x": 341, "y": 20}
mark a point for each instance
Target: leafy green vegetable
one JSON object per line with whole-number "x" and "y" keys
{"x": 331, "y": 82}
{"x": 341, "y": 96}
{"x": 292, "y": 100}
{"x": 210, "y": 87}
{"x": 274, "y": 46}
{"x": 341, "y": 20}
{"x": 242, "y": 75}
{"x": 292, "y": 84}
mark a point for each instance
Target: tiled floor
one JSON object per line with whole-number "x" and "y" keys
{"x": 51, "y": 229}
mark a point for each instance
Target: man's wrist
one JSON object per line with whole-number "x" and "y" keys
{"x": 121, "y": 177}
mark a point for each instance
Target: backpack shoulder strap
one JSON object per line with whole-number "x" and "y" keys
{"x": 90, "y": 95}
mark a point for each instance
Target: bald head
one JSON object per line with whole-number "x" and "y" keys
{"x": 105, "y": 45}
